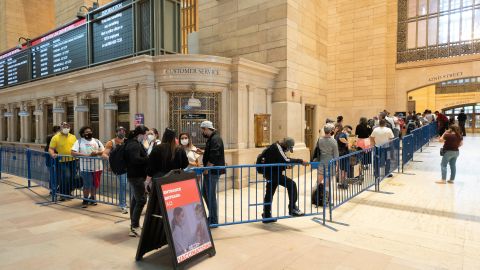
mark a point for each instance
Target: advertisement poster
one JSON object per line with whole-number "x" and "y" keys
{"x": 186, "y": 218}
{"x": 139, "y": 119}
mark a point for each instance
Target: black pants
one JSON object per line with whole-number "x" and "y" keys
{"x": 137, "y": 200}
{"x": 274, "y": 180}
{"x": 462, "y": 128}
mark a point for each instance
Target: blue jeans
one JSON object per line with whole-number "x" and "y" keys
{"x": 122, "y": 197}
{"x": 209, "y": 193}
{"x": 450, "y": 157}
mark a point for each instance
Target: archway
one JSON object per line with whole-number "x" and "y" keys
{"x": 472, "y": 125}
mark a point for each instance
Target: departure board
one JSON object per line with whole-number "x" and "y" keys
{"x": 113, "y": 33}
{"x": 60, "y": 51}
{"x": 14, "y": 67}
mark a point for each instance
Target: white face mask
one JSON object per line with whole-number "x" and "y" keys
{"x": 184, "y": 142}
{"x": 65, "y": 131}
{"x": 150, "y": 138}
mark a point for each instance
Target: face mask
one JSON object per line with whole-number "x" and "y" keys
{"x": 150, "y": 138}
{"x": 140, "y": 138}
{"x": 88, "y": 136}
{"x": 121, "y": 135}
{"x": 65, "y": 131}
{"x": 184, "y": 142}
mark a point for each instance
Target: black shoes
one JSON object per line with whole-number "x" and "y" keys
{"x": 84, "y": 204}
{"x": 93, "y": 201}
{"x": 267, "y": 218}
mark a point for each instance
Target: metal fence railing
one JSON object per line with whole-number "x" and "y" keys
{"x": 233, "y": 194}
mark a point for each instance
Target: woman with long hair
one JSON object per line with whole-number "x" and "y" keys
{"x": 452, "y": 140}
{"x": 363, "y": 131}
{"x": 165, "y": 157}
{"x": 190, "y": 149}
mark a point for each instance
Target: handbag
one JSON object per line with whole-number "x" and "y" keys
{"x": 442, "y": 152}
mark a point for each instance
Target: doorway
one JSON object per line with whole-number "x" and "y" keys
{"x": 309, "y": 121}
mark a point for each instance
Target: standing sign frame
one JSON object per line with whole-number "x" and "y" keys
{"x": 177, "y": 189}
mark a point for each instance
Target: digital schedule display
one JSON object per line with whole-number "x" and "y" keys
{"x": 60, "y": 51}
{"x": 14, "y": 67}
{"x": 113, "y": 33}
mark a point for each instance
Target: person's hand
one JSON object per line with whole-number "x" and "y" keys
{"x": 305, "y": 163}
{"x": 148, "y": 184}
{"x": 205, "y": 172}
{"x": 199, "y": 151}
{"x": 54, "y": 156}
{"x": 93, "y": 154}
{"x": 209, "y": 164}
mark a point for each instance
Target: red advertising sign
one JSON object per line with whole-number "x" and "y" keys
{"x": 59, "y": 32}
{"x": 186, "y": 218}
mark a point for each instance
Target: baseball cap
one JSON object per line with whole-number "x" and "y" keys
{"x": 207, "y": 124}
{"x": 290, "y": 142}
{"x": 120, "y": 128}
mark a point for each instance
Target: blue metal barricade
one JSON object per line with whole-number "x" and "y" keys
{"x": 242, "y": 194}
{"x": 408, "y": 149}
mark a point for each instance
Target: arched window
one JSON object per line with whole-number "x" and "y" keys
{"x": 429, "y": 29}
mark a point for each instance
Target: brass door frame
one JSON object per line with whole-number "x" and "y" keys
{"x": 309, "y": 121}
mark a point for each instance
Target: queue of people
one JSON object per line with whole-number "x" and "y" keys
{"x": 147, "y": 156}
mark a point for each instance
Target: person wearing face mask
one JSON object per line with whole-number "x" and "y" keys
{"x": 61, "y": 144}
{"x": 275, "y": 154}
{"x": 190, "y": 150}
{"x": 165, "y": 157}
{"x": 90, "y": 168}
{"x": 213, "y": 155}
{"x": 137, "y": 160}
{"x": 122, "y": 179}
{"x": 151, "y": 140}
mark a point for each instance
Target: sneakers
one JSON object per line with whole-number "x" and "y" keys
{"x": 267, "y": 218}
{"x": 441, "y": 182}
{"x": 93, "y": 202}
{"x": 124, "y": 210}
{"x": 296, "y": 212}
{"x": 135, "y": 232}
{"x": 450, "y": 181}
{"x": 84, "y": 204}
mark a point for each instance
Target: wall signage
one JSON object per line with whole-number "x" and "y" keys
{"x": 190, "y": 70}
{"x": 445, "y": 77}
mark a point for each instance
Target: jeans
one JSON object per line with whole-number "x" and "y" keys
{"x": 122, "y": 197}
{"x": 274, "y": 180}
{"x": 138, "y": 200}
{"x": 209, "y": 193}
{"x": 450, "y": 157}
{"x": 65, "y": 177}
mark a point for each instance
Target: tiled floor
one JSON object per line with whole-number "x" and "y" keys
{"x": 413, "y": 224}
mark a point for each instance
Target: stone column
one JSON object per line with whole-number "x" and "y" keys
{"x": 101, "y": 115}
{"x": 269, "y": 110}
{"x": 250, "y": 116}
{"x": 39, "y": 123}
{"x": 163, "y": 109}
{"x": 109, "y": 125}
{"x": 3, "y": 128}
{"x": 58, "y": 118}
{"x": 133, "y": 105}
{"x": 15, "y": 123}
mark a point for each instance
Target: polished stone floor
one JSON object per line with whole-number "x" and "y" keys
{"x": 413, "y": 223}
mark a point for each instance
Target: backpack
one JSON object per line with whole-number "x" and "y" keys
{"x": 117, "y": 161}
{"x": 410, "y": 127}
{"x": 261, "y": 160}
{"x": 317, "y": 196}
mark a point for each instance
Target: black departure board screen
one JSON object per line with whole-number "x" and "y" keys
{"x": 113, "y": 33}
{"x": 14, "y": 67}
{"x": 60, "y": 51}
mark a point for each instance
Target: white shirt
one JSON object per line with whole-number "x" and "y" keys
{"x": 191, "y": 155}
{"x": 84, "y": 146}
{"x": 382, "y": 135}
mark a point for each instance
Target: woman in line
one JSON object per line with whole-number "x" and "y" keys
{"x": 190, "y": 150}
{"x": 363, "y": 131}
{"x": 90, "y": 167}
{"x": 151, "y": 140}
{"x": 452, "y": 140}
{"x": 165, "y": 157}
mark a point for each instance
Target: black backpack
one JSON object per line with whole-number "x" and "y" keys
{"x": 117, "y": 161}
{"x": 317, "y": 196}
{"x": 261, "y": 160}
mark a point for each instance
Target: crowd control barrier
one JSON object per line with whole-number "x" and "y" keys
{"x": 233, "y": 194}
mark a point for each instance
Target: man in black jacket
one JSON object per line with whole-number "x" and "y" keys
{"x": 275, "y": 154}
{"x": 462, "y": 118}
{"x": 137, "y": 160}
{"x": 212, "y": 156}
